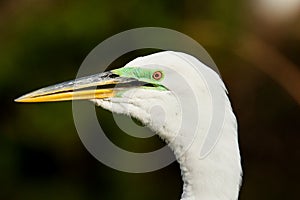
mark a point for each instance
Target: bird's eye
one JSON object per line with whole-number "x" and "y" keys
{"x": 157, "y": 75}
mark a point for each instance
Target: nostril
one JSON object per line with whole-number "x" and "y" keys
{"x": 112, "y": 75}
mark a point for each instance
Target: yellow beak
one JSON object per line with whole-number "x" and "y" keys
{"x": 97, "y": 86}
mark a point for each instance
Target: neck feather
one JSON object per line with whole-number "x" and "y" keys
{"x": 218, "y": 175}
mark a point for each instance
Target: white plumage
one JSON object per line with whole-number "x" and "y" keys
{"x": 218, "y": 175}
{"x": 186, "y": 105}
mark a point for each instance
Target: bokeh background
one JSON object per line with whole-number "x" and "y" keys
{"x": 256, "y": 45}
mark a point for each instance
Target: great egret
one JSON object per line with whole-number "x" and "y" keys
{"x": 144, "y": 82}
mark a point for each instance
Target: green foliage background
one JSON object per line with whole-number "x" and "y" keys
{"x": 44, "y": 42}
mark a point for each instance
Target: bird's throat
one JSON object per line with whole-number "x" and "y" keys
{"x": 218, "y": 175}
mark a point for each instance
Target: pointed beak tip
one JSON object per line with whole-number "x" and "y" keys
{"x": 19, "y": 100}
{"x": 24, "y": 98}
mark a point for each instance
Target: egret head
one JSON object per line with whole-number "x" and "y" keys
{"x": 152, "y": 89}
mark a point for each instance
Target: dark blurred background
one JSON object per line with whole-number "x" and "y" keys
{"x": 255, "y": 44}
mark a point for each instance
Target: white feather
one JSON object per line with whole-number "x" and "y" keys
{"x": 218, "y": 175}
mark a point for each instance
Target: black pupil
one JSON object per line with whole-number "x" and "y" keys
{"x": 157, "y": 75}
